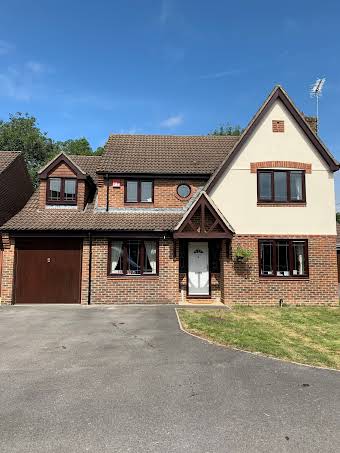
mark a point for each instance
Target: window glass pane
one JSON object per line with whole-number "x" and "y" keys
{"x": 117, "y": 257}
{"x": 54, "y": 192}
{"x": 296, "y": 185}
{"x": 132, "y": 191}
{"x": 150, "y": 257}
{"x": 69, "y": 189}
{"x": 266, "y": 258}
{"x": 183, "y": 190}
{"x": 299, "y": 258}
{"x": 265, "y": 186}
{"x": 280, "y": 185}
{"x": 133, "y": 257}
{"x": 146, "y": 191}
{"x": 282, "y": 258}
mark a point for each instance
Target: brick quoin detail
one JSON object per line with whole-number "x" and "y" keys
{"x": 254, "y": 166}
{"x": 165, "y": 193}
{"x": 278, "y": 126}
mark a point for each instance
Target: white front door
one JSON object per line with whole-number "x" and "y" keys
{"x": 198, "y": 268}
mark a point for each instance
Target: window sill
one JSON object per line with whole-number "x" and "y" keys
{"x": 133, "y": 277}
{"x": 136, "y": 203}
{"x": 299, "y": 204}
{"x": 284, "y": 279}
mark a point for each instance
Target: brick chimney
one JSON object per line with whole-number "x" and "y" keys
{"x": 312, "y": 123}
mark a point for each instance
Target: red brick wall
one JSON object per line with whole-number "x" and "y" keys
{"x": 165, "y": 195}
{"x": 280, "y": 164}
{"x": 7, "y": 270}
{"x": 242, "y": 283}
{"x": 61, "y": 171}
{"x": 162, "y": 288}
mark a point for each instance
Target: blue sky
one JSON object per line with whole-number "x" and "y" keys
{"x": 90, "y": 68}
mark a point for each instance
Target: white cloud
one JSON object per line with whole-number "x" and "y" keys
{"x": 172, "y": 121}
{"x": 36, "y": 67}
{"x": 131, "y": 131}
{"x": 165, "y": 12}
{"x": 219, "y": 75}
{"x": 22, "y": 82}
{"x": 5, "y": 47}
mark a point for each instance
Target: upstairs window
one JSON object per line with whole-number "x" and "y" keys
{"x": 138, "y": 191}
{"x": 62, "y": 191}
{"x": 283, "y": 258}
{"x": 281, "y": 186}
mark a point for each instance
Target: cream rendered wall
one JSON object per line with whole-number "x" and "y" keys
{"x": 235, "y": 193}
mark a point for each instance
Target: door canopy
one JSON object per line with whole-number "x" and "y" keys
{"x": 203, "y": 221}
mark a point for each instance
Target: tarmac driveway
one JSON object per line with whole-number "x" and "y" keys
{"x": 126, "y": 379}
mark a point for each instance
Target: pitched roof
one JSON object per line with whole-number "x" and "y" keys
{"x": 277, "y": 93}
{"x": 165, "y": 154}
{"x": 6, "y": 158}
{"x": 88, "y": 164}
{"x": 32, "y": 218}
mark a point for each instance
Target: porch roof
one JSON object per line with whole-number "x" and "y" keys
{"x": 203, "y": 221}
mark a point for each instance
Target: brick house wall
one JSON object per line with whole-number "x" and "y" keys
{"x": 165, "y": 193}
{"x": 7, "y": 277}
{"x": 243, "y": 285}
{"x": 238, "y": 283}
{"x": 162, "y": 288}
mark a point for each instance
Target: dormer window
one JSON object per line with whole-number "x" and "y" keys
{"x": 62, "y": 191}
{"x": 138, "y": 191}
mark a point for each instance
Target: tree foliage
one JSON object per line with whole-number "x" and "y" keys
{"x": 338, "y": 217}
{"x": 227, "y": 129}
{"x": 22, "y": 133}
{"x": 79, "y": 146}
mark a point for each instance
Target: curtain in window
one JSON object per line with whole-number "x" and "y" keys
{"x": 150, "y": 248}
{"x": 299, "y": 258}
{"x": 296, "y": 186}
{"x": 116, "y": 250}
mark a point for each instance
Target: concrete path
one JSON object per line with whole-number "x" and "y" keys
{"x": 126, "y": 379}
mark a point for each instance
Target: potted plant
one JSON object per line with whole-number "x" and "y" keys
{"x": 242, "y": 254}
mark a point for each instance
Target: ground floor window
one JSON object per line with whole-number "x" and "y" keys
{"x": 283, "y": 258}
{"x": 133, "y": 257}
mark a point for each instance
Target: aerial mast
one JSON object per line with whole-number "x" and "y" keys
{"x": 316, "y": 92}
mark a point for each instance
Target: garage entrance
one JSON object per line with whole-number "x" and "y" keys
{"x": 48, "y": 271}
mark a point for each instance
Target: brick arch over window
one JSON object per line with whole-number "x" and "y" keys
{"x": 254, "y": 166}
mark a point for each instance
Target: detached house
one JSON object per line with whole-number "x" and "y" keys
{"x": 15, "y": 189}
{"x": 166, "y": 219}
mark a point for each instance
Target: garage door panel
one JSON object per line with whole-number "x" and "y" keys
{"x": 48, "y": 271}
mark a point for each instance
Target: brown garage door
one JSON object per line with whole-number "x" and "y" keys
{"x": 48, "y": 271}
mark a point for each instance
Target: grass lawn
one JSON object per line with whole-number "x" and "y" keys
{"x": 299, "y": 334}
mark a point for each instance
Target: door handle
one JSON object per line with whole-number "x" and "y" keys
{"x": 48, "y": 260}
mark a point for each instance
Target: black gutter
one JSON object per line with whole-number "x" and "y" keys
{"x": 182, "y": 176}
{"x": 90, "y": 270}
{"x": 107, "y": 192}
